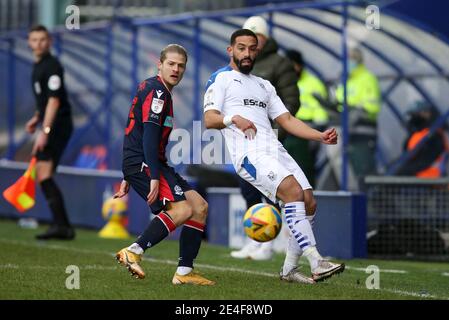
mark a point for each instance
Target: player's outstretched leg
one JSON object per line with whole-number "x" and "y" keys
{"x": 158, "y": 229}
{"x": 291, "y": 193}
{"x": 302, "y": 231}
{"x": 190, "y": 242}
{"x": 189, "y": 245}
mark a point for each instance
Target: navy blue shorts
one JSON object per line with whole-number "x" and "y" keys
{"x": 171, "y": 187}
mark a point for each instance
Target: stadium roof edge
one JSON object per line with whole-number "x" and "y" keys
{"x": 418, "y": 24}
{"x": 241, "y": 11}
{"x": 86, "y": 27}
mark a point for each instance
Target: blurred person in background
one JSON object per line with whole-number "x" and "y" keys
{"x": 364, "y": 103}
{"x": 279, "y": 70}
{"x": 53, "y": 123}
{"x": 310, "y": 112}
{"x": 430, "y": 158}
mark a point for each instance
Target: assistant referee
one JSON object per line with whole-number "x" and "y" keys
{"x": 53, "y": 121}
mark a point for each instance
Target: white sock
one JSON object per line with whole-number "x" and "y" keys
{"x": 311, "y": 219}
{"x": 312, "y": 254}
{"x": 135, "y": 248}
{"x": 183, "y": 270}
{"x": 301, "y": 230}
{"x": 294, "y": 252}
{"x": 292, "y": 255}
{"x": 315, "y": 255}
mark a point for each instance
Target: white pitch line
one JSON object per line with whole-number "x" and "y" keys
{"x": 415, "y": 294}
{"x": 217, "y": 268}
{"x": 38, "y": 267}
{"x": 9, "y": 266}
{"x": 399, "y": 292}
{"x": 302, "y": 262}
{"x": 212, "y": 267}
{"x": 266, "y": 274}
{"x": 380, "y": 269}
{"x": 52, "y": 246}
{"x": 445, "y": 274}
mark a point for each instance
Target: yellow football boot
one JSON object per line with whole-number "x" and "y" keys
{"x": 131, "y": 260}
{"x": 192, "y": 278}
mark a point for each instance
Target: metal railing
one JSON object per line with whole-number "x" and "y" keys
{"x": 17, "y": 14}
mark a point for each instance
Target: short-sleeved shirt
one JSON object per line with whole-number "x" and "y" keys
{"x": 152, "y": 103}
{"x": 234, "y": 93}
{"x": 47, "y": 82}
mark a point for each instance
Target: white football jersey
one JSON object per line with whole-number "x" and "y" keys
{"x": 234, "y": 93}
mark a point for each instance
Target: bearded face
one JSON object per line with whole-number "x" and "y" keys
{"x": 245, "y": 65}
{"x": 243, "y": 53}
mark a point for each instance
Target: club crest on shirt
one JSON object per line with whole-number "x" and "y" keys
{"x": 157, "y": 105}
{"x": 271, "y": 175}
{"x": 178, "y": 190}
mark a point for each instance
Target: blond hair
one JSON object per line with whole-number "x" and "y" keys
{"x": 173, "y": 48}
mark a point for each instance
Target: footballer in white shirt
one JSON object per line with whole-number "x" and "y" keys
{"x": 241, "y": 106}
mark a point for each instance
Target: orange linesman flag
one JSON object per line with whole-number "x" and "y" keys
{"x": 22, "y": 193}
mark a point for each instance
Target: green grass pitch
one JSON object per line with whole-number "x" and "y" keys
{"x": 37, "y": 270}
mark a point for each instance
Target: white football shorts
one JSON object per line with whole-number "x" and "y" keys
{"x": 267, "y": 170}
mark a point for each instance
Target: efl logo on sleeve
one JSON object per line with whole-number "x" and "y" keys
{"x": 157, "y": 105}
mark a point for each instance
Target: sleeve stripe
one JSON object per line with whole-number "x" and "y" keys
{"x": 215, "y": 74}
{"x": 146, "y": 106}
